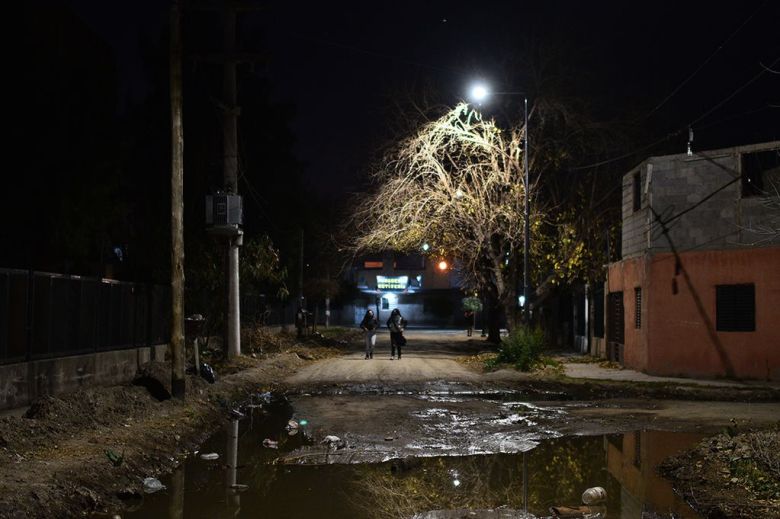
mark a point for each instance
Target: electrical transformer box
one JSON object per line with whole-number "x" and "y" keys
{"x": 224, "y": 210}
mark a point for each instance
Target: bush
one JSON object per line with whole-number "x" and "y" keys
{"x": 522, "y": 348}
{"x": 472, "y": 303}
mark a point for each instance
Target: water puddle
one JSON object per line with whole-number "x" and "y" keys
{"x": 248, "y": 481}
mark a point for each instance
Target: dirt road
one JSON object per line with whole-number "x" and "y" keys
{"x": 429, "y": 390}
{"x": 430, "y": 355}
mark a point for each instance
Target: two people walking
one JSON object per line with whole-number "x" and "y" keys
{"x": 395, "y": 324}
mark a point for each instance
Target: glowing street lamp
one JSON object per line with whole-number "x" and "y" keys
{"x": 480, "y": 92}
{"x": 443, "y": 265}
{"x": 425, "y": 247}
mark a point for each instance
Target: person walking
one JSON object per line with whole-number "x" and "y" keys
{"x": 369, "y": 324}
{"x": 396, "y": 326}
{"x": 468, "y": 315}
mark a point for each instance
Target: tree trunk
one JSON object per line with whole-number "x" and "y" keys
{"x": 493, "y": 319}
{"x": 512, "y": 316}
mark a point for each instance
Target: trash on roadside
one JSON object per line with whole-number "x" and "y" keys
{"x": 209, "y": 456}
{"x": 270, "y": 444}
{"x": 152, "y": 485}
{"x": 265, "y": 397}
{"x": 115, "y": 459}
{"x": 579, "y": 512}
{"x": 389, "y": 438}
{"x": 334, "y": 442}
{"x": 207, "y": 372}
{"x": 303, "y": 422}
{"x": 594, "y": 495}
{"x": 292, "y": 424}
{"x": 592, "y": 508}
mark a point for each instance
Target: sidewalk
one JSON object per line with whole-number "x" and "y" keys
{"x": 593, "y": 371}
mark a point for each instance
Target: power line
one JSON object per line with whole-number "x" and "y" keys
{"x": 682, "y": 129}
{"x": 735, "y": 116}
{"x": 630, "y": 153}
{"x": 686, "y": 80}
{"x": 735, "y": 92}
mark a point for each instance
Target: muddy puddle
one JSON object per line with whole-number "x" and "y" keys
{"x": 277, "y": 480}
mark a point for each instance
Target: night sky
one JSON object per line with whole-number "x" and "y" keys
{"x": 343, "y": 66}
{"x": 332, "y": 90}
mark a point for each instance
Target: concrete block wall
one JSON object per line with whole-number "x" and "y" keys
{"x": 680, "y": 182}
{"x": 673, "y": 183}
{"x": 634, "y": 229}
{"x": 23, "y": 382}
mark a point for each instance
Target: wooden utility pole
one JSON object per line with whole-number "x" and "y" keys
{"x": 327, "y": 296}
{"x": 300, "y": 272}
{"x": 177, "y": 209}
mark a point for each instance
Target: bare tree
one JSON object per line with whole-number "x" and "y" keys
{"x": 767, "y": 228}
{"x": 456, "y": 184}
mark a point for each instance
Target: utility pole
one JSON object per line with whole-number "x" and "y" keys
{"x": 230, "y": 171}
{"x": 327, "y": 296}
{"x": 177, "y": 209}
{"x": 527, "y": 217}
{"x": 230, "y": 59}
{"x": 300, "y": 273}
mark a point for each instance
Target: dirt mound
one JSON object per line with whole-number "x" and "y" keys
{"x": 260, "y": 340}
{"x": 734, "y": 474}
{"x": 56, "y": 460}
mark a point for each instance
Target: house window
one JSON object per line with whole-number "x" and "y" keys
{"x": 638, "y": 307}
{"x": 637, "y": 191}
{"x": 372, "y": 264}
{"x": 615, "y": 318}
{"x": 759, "y": 170}
{"x": 735, "y": 308}
{"x": 385, "y": 303}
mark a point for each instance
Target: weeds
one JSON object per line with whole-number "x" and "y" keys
{"x": 522, "y": 348}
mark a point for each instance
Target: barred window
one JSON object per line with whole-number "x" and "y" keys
{"x": 638, "y": 307}
{"x": 735, "y": 308}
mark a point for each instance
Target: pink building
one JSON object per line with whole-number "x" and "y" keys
{"x": 697, "y": 292}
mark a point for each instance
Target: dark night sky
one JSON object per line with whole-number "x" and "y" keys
{"x": 340, "y": 64}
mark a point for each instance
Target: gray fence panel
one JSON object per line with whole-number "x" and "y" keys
{"x": 46, "y": 315}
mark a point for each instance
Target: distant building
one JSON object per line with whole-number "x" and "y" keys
{"x": 713, "y": 308}
{"x": 426, "y": 294}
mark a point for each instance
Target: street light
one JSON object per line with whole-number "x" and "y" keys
{"x": 480, "y": 92}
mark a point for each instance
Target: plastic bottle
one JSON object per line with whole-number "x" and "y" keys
{"x": 594, "y": 496}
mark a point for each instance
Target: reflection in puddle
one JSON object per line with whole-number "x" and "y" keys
{"x": 554, "y": 472}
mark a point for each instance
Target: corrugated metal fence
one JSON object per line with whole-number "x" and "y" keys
{"x": 44, "y": 315}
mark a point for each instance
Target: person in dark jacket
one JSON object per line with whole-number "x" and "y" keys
{"x": 396, "y": 325}
{"x": 468, "y": 315}
{"x": 369, "y": 325}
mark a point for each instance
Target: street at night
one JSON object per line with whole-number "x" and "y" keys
{"x": 414, "y": 260}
